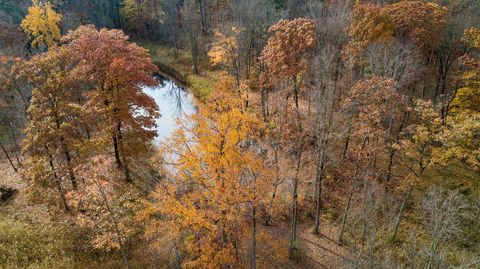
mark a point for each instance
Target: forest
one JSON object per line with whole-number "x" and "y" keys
{"x": 232, "y": 134}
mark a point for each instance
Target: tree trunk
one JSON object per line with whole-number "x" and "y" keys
{"x": 275, "y": 185}
{"x": 116, "y": 14}
{"x": 63, "y": 143}
{"x": 58, "y": 183}
{"x": 14, "y": 140}
{"x": 446, "y": 105}
{"x": 439, "y": 78}
{"x": 347, "y": 143}
{"x": 22, "y": 96}
{"x": 121, "y": 146}
{"x": 115, "y": 148}
{"x": 264, "y": 104}
{"x": 393, "y": 150}
{"x": 178, "y": 262}
{"x": 66, "y": 152}
{"x": 195, "y": 58}
{"x": 318, "y": 182}
{"x": 431, "y": 255}
{"x": 401, "y": 213}
{"x": 115, "y": 225}
{"x": 202, "y": 17}
{"x": 296, "y": 97}
{"x": 193, "y": 43}
{"x": 352, "y": 189}
{"x": 254, "y": 236}
{"x": 293, "y": 236}
{"x": 8, "y": 157}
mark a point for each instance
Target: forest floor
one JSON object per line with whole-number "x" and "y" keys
{"x": 9, "y": 178}
{"x": 323, "y": 251}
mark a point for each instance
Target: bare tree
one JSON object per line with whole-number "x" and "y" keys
{"x": 443, "y": 214}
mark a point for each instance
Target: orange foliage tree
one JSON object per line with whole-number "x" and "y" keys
{"x": 370, "y": 23}
{"x": 286, "y": 50}
{"x": 118, "y": 70}
{"x": 420, "y": 22}
{"x": 51, "y": 135}
{"x": 371, "y": 104}
{"x": 105, "y": 206}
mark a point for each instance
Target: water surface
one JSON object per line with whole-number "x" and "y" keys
{"x": 174, "y": 102}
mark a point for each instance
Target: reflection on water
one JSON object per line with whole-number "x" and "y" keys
{"x": 174, "y": 102}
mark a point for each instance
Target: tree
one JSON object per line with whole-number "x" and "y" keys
{"x": 443, "y": 214}
{"x": 51, "y": 135}
{"x": 285, "y": 55}
{"x": 117, "y": 69}
{"x": 11, "y": 109}
{"x": 42, "y": 23}
{"x": 370, "y": 23}
{"x": 416, "y": 147}
{"x": 467, "y": 97}
{"x": 418, "y": 22}
{"x": 250, "y": 22}
{"x": 143, "y": 18}
{"x": 217, "y": 185}
{"x": 105, "y": 206}
{"x": 371, "y": 102}
{"x": 458, "y": 133}
{"x": 224, "y": 52}
{"x": 193, "y": 32}
{"x": 286, "y": 50}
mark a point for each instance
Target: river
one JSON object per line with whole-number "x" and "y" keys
{"x": 174, "y": 102}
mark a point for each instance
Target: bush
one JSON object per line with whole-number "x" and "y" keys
{"x": 6, "y": 193}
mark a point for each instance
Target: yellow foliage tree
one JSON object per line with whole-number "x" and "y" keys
{"x": 468, "y": 97}
{"x": 51, "y": 137}
{"x": 459, "y": 137}
{"x": 42, "y": 23}
{"x": 224, "y": 52}
{"x": 213, "y": 191}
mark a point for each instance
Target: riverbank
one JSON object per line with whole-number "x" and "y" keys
{"x": 177, "y": 65}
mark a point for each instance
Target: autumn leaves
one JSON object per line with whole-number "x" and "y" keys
{"x": 342, "y": 132}
{"x": 42, "y": 24}
{"x": 85, "y": 96}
